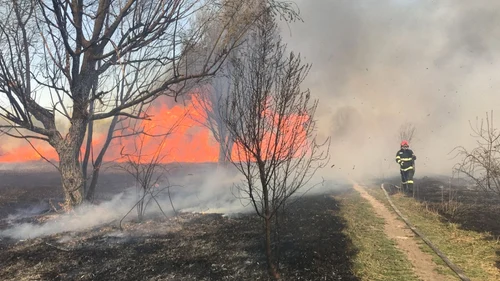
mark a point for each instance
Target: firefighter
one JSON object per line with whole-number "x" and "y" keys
{"x": 406, "y": 160}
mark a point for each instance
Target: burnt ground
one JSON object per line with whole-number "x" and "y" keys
{"x": 36, "y": 190}
{"x": 459, "y": 203}
{"x": 192, "y": 246}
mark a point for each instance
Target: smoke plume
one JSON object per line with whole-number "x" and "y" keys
{"x": 379, "y": 64}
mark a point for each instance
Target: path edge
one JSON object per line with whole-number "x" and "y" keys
{"x": 448, "y": 262}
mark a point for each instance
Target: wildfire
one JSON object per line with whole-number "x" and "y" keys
{"x": 189, "y": 141}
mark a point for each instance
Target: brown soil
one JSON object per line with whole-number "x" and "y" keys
{"x": 397, "y": 230}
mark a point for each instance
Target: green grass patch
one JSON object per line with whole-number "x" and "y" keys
{"x": 377, "y": 257}
{"x": 474, "y": 252}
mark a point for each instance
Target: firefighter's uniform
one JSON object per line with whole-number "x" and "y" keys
{"x": 406, "y": 160}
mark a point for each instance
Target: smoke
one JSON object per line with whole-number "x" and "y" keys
{"x": 82, "y": 218}
{"x": 379, "y": 64}
{"x": 205, "y": 191}
{"x": 199, "y": 189}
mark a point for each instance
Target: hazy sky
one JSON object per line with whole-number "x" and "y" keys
{"x": 377, "y": 64}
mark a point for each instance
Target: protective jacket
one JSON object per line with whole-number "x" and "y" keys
{"x": 406, "y": 159}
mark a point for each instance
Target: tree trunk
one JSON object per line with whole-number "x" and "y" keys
{"x": 90, "y": 190}
{"x": 88, "y": 148}
{"x": 222, "y": 152}
{"x": 229, "y": 149}
{"x": 278, "y": 219}
{"x": 68, "y": 150}
{"x": 271, "y": 267}
{"x": 71, "y": 174}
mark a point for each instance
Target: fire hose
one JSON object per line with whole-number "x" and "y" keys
{"x": 448, "y": 262}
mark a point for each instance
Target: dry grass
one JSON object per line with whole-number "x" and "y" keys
{"x": 377, "y": 257}
{"x": 474, "y": 252}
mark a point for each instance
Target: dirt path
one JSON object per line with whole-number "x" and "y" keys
{"x": 397, "y": 231}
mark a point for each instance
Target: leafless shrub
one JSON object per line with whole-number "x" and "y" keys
{"x": 450, "y": 206}
{"x": 406, "y": 132}
{"x": 482, "y": 163}
{"x": 146, "y": 164}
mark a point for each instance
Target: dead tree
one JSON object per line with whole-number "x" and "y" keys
{"x": 58, "y": 58}
{"x": 272, "y": 121}
{"x": 208, "y": 113}
{"x": 207, "y": 97}
{"x": 482, "y": 163}
{"x": 406, "y": 132}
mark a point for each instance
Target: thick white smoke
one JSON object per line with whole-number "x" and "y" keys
{"x": 379, "y": 64}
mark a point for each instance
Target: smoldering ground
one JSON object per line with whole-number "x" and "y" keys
{"x": 199, "y": 188}
{"x": 202, "y": 190}
{"x": 379, "y": 64}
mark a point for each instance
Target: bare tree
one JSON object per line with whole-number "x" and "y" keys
{"x": 482, "y": 163}
{"x": 59, "y": 58}
{"x": 208, "y": 113}
{"x": 272, "y": 122}
{"x": 207, "y": 98}
{"x": 406, "y": 132}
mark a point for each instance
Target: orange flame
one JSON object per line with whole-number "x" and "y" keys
{"x": 188, "y": 142}
{"x": 285, "y": 138}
